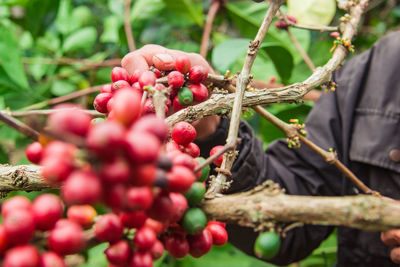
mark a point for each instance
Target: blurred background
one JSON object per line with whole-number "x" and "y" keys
{"x": 53, "y": 48}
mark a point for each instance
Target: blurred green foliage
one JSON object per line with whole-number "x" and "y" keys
{"x": 37, "y": 36}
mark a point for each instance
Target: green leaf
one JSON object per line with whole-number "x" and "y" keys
{"x": 110, "y": 33}
{"x": 61, "y": 87}
{"x": 39, "y": 14}
{"x": 146, "y": 9}
{"x": 312, "y": 12}
{"x": 96, "y": 256}
{"x": 83, "y": 39}
{"x": 10, "y": 57}
{"x": 63, "y": 21}
{"x": 227, "y": 53}
{"x": 189, "y": 9}
{"x": 281, "y": 58}
{"x": 189, "y": 47}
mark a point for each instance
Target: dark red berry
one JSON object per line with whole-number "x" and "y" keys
{"x": 104, "y": 138}
{"x": 134, "y": 219}
{"x": 142, "y": 147}
{"x": 177, "y": 105}
{"x": 157, "y": 72}
{"x": 148, "y": 78}
{"x": 144, "y": 238}
{"x": 72, "y": 121}
{"x": 143, "y": 175}
{"x": 219, "y": 160}
{"x": 180, "y": 206}
{"x": 84, "y": 215}
{"x": 172, "y": 146}
{"x": 115, "y": 196}
{"x": 197, "y": 74}
{"x": 119, "y": 85}
{"x": 184, "y": 160}
{"x": 282, "y": 24}
{"x": 34, "y": 152}
{"x": 19, "y": 226}
{"x": 108, "y": 228}
{"x": 192, "y": 149}
{"x": 15, "y": 203}
{"x": 22, "y": 256}
{"x": 164, "y": 162}
{"x": 82, "y": 187}
{"x": 107, "y": 88}
{"x": 116, "y": 171}
{"x": 47, "y": 209}
{"x": 118, "y": 253}
{"x": 51, "y": 259}
{"x": 199, "y": 91}
{"x": 141, "y": 259}
{"x": 126, "y": 106}
{"x": 180, "y": 179}
{"x": 101, "y": 101}
{"x": 153, "y": 125}
{"x": 219, "y": 234}
{"x": 4, "y": 243}
{"x": 291, "y": 18}
{"x": 157, "y": 226}
{"x": 162, "y": 208}
{"x": 134, "y": 78}
{"x": 176, "y": 245}
{"x": 157, "y": 250}
{"x": 67, "y": 237}
{"x": 56, "y": 169}
{"x": 139, "y": 198}
{"x": 182, "y": 64}
{"x": 200, "y": 244}
{"x": 148, "y": 107}
{"x": 176, "y": 79}
{"x": 183, "y": 133}
{"x": 118, "y": 74}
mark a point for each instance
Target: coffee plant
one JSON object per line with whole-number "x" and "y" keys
{"x": 117, "y": 176}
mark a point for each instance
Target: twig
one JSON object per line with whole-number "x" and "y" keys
{"x": 65, "y": 98}
{"x": 19, "y": 126}
{"x": 159, "y": 98}
{"x": 127, "y": 25}
{"x": 314, "y": 28}
{"x": 215, "y": 5}
{"x": 45, "y": 112}
{"x": 303, "y": 53}
{"x": 211, "y": 159}
{"x": 242, "y": 81}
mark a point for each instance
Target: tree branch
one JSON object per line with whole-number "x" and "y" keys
{"x": 46, "y": 112}
{"x": 19, "y": 126}
{"x": 215, "y": 5}
{"x": 127, "y": 25}
{"x": 242, "y": 82}
{"x": 303, "y": 53}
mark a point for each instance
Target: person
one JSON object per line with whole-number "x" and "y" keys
{"x": 360, "y": 121}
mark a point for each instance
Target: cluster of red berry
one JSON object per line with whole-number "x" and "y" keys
{"x": 185, "y": 86}
{"x": 151, "y": 188}
{"x": 283, "y": 24}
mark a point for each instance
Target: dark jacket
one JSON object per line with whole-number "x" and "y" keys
{"x": 361, "y": 121}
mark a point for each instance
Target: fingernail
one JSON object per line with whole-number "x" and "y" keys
{"x": 163, "y": 61}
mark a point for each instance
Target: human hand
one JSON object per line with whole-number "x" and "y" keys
{"x": 164, "y": 59}
{"x": 392, "y": 238}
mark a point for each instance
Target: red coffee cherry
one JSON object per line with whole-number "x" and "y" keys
{"x": 176, "y": 245}
{"x": 183, "y": 133}
{"x": 67, "y": 237}
{"x": 118, "y": 74}
{"x": 15, "y": 203}
{"x": 115, "y": 196}
{"x": 116, "y": 171}
{"x": 104, "y": 138}
{"x": 219, "y": 160}
{"x": 61, "y": 150}
{"x": 72, "y": 121}
{"x": 148, "y": 107}
{"x": 107, "y": 88}
{"x": 119, "y": 85}
{"x": 192, "y": 150}
{"x": 199, "y": 91}
{"x": 142, "y": 147}
{"x": 182, "y": 64}
{"x": 101, "y": 101}
{"x": 126, "y": 106}
{"x": 143, "y": 175}
{"x": 83, "y": 215}
{"x": 135, "y": 219}
{"x": 119, "y": 253}
{"x": 144, "y": 238}
{"x": 157, "y": 226}
{"x": 219, "y": 234}
{"x": 176, "y": 79}
{"x": 177, "y": 105}
{"x": 34, "y": 152}
{"x": 184, "y": 160}
{"x": 134, "y": 78}
{"x": 4, "y": 243}
{"x": 335, "y": 34}
{"x": 19, "y": 226}
{"x": 141, "y": 259}
{"x": 200, "y": 244}
{"x": 25, "y": 255}
{"x": 172, "y": 146}
{"x": 108, "y": 228}
{"x": 47, "y": 209}
{"x": 162, "y": 208}
{"x": 56, "y": 169}
{"x": 180, "y": 205}
{"x": 139, "y": 198}
{"x": 157, "y": 250}
{"x": 82, "y": 187}
{"x": 51, "y": 259}
{"x": 148, "y": 78}
{"x": 222, "y": 224}
{"x": 136, "y": 87}
{"x": 153, "y": 125}
{"x": 180, "y": 179}
{"x": 197, "y": 74}
{"x": 291, "y": 18}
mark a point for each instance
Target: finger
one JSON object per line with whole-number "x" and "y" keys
{"x": 391, "y": 238}
{"x": 395, "y": 255}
